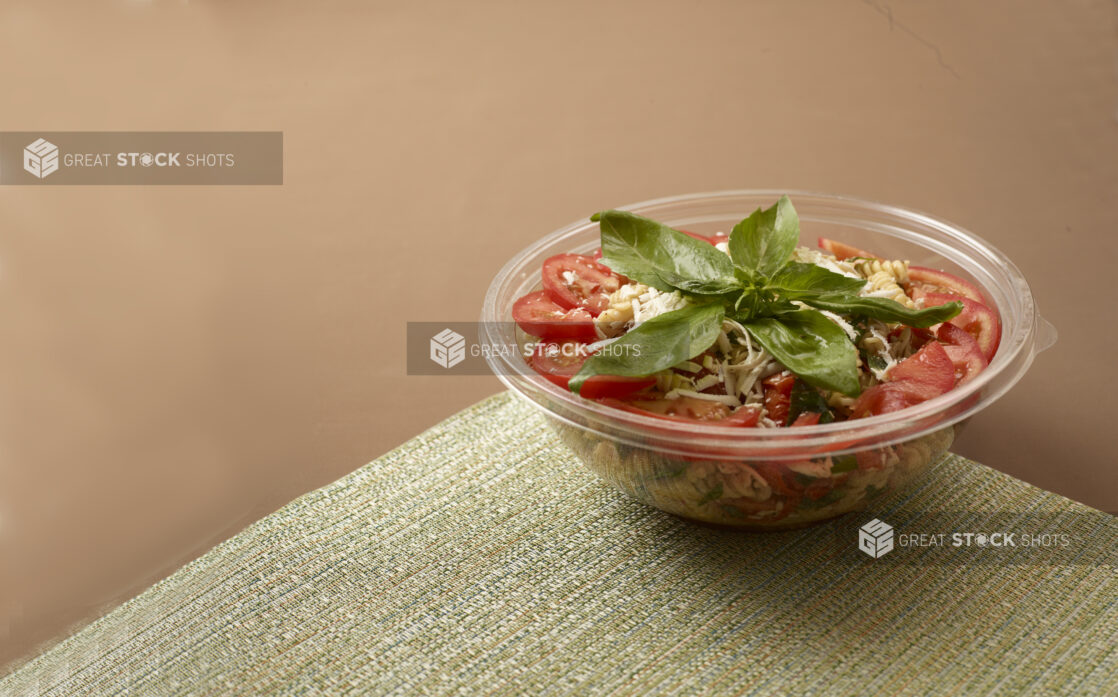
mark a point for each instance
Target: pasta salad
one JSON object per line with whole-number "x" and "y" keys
{"x": 750, "y": 329}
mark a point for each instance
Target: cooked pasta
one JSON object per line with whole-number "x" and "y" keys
{"x": 896, "y": 268}
{"x": 884, "y": 279}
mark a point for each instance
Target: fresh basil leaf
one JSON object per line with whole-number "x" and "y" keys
{"x": 807, "y": 399}
{"x": 813, "y": 347}
{"x": 749, "y": 303}
{"x": 883, "y": 309}
{"x": 797, "y": 278}
{"x": 720, "y": 286}
{"x": 656, "y": 344}
{"x": 656, "y": 255}
{"x": 778, "y": 307}
{"x": 763, "y": 242}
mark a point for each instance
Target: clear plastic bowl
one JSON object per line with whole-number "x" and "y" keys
{"x": 761, "y": 478}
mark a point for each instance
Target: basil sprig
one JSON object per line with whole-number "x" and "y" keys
{"x": 658, "y": 256}
{"x": 754, "y": 285}
{"x": 657, "y": 344}
{"x": 761, "y": 244}
{"x": 811, "y": 346}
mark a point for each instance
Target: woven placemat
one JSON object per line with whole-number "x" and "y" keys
{"x": 480, "y": 558}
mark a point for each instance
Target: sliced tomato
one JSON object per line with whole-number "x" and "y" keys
{"x": 602, "y": 386}
{"x": 963, "y": 350}
{"x": 576, "y": 280}
{"x": 892, "y": 396}
{"x": 918, "y": 336}
{"x": 778, "y": 396}
{"x": 779, "y": 477}
{"x": 719, "y": 238}
{"x": 559, "y": 361}
{"x": 792, "y": 486}
{"x": 930, "y": 365}
{"x": 596, "y": 254}
{"x": 690, "y": 409}
{"x": 684, "y": 408}
{"x": 539, "y": 315}
{"x": 922, "y": 280}
{"x": 743, "y": 416}
{"x": 873, "y": 459}
{"x": 842, "y": 250}
{"x": 819, "y": 488}
{"x": 808, "y": 418}
{"x": 925, "y": 374}
{"x": 978, "y": 319}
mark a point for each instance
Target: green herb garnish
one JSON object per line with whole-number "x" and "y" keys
{"x": 755, "y": 285}
{"x": 657, "y": 344}
{"x": 807, "y": 399}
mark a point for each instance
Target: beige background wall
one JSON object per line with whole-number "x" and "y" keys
{"x": 177, "y": 362}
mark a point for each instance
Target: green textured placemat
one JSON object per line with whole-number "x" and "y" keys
{"x": 480, "y": 558}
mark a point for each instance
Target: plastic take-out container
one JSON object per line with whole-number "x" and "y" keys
{"x": 760, "y": 478}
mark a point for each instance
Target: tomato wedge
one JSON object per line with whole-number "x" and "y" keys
{"x": 930, "y": 365}
{"x": 743, "y": 416}
{"x": 918, "y": 335}
{"x": 778, "y": 396}
{"x": 873, "y": 459}
{"x": 808, "y": 418}
{"x": 922, "y": 281}
{"x": 539, "y": 315}
{"x": 892, "y": 396}
{"x": 925, "y": 374}
{"x": 559, "y": 361}
{"x": 576, "y": 280}
{"x": 963, "y": 351}
{"x": 978, "y": 319}
{"x": 842, "y": 250}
